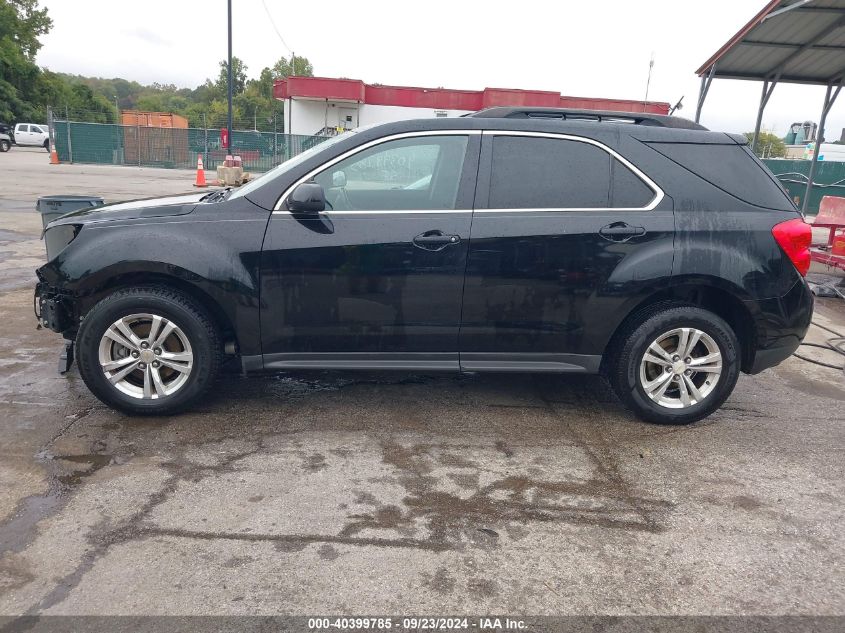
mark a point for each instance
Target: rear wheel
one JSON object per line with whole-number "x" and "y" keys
{"x": 148, "y": 351}
{"x": 676, "y": 365}
{"x": 5, "y": 145}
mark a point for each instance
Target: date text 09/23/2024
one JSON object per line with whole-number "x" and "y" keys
{"x": 416, "y": 624}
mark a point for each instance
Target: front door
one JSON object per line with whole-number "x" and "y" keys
{"x": 376, "y": 280}
{"x": 567, "y": 236}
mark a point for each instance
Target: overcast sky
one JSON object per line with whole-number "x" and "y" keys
{"x": 593, "y": 48}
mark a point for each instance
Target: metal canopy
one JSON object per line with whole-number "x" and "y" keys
{"x": 797, "y": 41}
{"x": 788, "y": 41}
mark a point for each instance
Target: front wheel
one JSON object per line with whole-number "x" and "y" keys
{"x": 5, "y": 145}
{"x": 47, "y": 145}
{"x": 676, "y": 365}
{"x": 148, "y": 351}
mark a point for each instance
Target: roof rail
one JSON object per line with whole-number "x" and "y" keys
{"x": 600, "y": 116}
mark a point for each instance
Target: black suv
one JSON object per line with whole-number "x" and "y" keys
{"x": 645, "y": 247}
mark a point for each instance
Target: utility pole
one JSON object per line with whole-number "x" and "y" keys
{"x": 229, "y": 119}
{"x": 648, "y": 81}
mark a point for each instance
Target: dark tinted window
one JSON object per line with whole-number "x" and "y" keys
{"x": 731, "y": 168}
{"x": 628, "y": 191}
{"x": 545, "y": 173}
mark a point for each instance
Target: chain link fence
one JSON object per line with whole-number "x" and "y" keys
{"x": 111, "y": 144}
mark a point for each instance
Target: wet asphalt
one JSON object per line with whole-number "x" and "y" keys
{"x": 313, "y": 493}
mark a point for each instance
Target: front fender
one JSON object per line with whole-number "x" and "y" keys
{"x": 217, "y": 258}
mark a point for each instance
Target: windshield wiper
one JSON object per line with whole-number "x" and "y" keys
{"x": 217, "y": 195}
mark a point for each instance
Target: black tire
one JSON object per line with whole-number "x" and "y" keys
{"x": 193, "y": 322}
{"x": 646, "y": 327}
{"x": 5, "y": 145}
{"x": 47, "y": 145}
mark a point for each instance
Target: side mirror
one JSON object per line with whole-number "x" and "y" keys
{"x": 339, "y": 179}
{"x": 307, "y": 197}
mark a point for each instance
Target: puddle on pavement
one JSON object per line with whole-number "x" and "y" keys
{"x": 18, "y": 531}
{"x": 509, "y": 503}
{"x": 64, "y": 472}
{"x": 298, "y": 385}
{"x": 90, "y": 464}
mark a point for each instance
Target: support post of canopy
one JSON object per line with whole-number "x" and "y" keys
{"x": 768, "y": 88}
{"x": 702, "y": 93}
{"x": 829, "y": 99}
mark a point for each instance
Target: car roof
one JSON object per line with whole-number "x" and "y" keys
{"x": 596, "y": 128}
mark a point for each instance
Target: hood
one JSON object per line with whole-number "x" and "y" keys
{"x": 133, "y": 209}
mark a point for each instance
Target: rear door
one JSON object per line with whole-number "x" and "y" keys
{"x": 376, "y": 280}
{"x": 22, "y": 135}
{"x": 566, "y": 236}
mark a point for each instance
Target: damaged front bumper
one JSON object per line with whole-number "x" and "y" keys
{"x": 53, "y": 309}
{"x": 54, "y": 312}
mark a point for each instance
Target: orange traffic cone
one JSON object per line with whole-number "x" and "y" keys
{"x": 200, "y": 173}
{"x": 54, "y": 156}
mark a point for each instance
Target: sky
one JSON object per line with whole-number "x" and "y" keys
{"x": 592, "y": 48}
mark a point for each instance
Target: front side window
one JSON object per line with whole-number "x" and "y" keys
{"x": 419, "y": 173}
{"x": 548, "y": 173}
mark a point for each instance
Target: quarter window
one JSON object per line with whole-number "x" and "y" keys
{"x": 403, "y": 175}
{"x": 547, "y": 173}
{"x": 628, "y": 191}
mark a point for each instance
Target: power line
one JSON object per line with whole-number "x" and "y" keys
{"x": 273, "y": 24}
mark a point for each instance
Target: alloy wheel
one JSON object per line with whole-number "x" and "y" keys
{"x": 680, "y": 368}
{"x": 146, "y": 356}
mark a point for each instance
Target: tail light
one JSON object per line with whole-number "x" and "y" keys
{"x": 794, "y": 237}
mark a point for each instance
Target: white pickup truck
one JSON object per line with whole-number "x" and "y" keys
{"x": 32, "y": 134}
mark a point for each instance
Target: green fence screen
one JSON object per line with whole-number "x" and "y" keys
{"x": 260, "y": 151}
{"x": 829, "y": 180}
{"x": 173, "y": 147}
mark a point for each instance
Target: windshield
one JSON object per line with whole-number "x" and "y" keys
{"x": 286, "y": 166}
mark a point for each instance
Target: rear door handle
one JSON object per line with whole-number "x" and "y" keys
{"x": 620, "y": 231}
{"x": 435, "y": 240}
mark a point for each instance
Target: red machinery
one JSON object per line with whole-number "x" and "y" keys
{"x": 831, "y": 216}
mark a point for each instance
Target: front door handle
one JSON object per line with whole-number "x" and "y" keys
{"x": 435, "y": 240}
{"x": 620, "y": 231}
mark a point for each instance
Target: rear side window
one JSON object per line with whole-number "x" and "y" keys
{"x": 731, "y": 168}
{"x": 545, "y": 173}
{"x": 23, "y": 128}
{"x": 548, "y": 173}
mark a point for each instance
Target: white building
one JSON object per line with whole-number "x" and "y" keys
{"x": 323, "y": 106}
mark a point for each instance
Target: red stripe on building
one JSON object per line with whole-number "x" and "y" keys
{"x": 355, "y": 90}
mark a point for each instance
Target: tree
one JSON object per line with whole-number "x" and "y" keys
{"x": 23, "y": 22}
{"x": 301, "y": 68}
{"x": 26, "y": 91}
{"x": 238, "y": 77}
{"x": 265, "y": 83}
{"x": 768, "y": 145}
